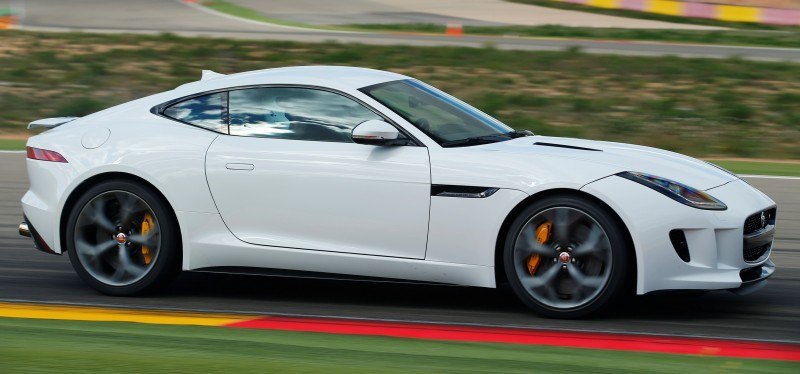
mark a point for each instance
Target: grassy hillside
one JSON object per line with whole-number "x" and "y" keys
{"x": 702, "y": 107}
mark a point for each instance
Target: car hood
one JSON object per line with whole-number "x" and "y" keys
{"x": 622, "y": 157}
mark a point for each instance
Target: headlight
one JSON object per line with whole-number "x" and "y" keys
{"x": 676, "y": 191}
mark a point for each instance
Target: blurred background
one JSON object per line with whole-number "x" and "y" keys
{"x": 555, "y": 68}
{"x": 715, "y": 79}
{"x": 552, "y": 67}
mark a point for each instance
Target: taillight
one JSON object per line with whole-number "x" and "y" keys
{"x": 44, "y": 155}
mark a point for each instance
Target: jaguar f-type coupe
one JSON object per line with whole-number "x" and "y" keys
{"x": 359, "y": 173}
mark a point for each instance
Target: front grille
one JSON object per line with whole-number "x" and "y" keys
{"x": 753, "y": 254}
{"x": 753, "y": 223}
{"x": 757, "y": 249}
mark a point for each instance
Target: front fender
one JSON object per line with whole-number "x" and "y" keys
{"x": 714, "y": 237}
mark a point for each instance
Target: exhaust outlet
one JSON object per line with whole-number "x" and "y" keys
{"x": 24, "y": 230}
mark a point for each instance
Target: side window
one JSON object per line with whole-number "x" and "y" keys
{"x": 206, "y": 111}
{"x": 295, "y": 113}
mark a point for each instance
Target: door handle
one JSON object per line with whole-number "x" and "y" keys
{"x": 239, "y": 166}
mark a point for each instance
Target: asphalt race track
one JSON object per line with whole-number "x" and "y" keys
{"x": 155, "y": 16}
{"x": 772, "y": 314}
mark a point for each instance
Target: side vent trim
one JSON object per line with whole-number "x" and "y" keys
{"x": 467, "y": 192}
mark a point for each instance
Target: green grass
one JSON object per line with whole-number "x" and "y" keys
{"x": 713, "y": 108}
{"x": 12, "y": 144}
{"x": 651, "y": 16}
{"x": 760, "y": 167}
{"x": 789, "y": 39}
{"x": 67, "y": 346}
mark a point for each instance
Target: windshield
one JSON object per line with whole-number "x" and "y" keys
{"x": 447, "y": 120}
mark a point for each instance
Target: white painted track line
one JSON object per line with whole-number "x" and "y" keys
{"x": 768, "y": 177}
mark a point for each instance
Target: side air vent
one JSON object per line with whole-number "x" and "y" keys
{"x": 543, "y": 144}
{"x": 469, "y": 192}
{"x": 678, "y": 239}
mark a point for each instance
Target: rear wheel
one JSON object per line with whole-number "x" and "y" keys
{"x": 566, "y": 257}
{"x": 122, "y": 239}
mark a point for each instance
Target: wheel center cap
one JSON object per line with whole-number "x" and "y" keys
{"x": 122, "y": 238}
{"x": 564, "y": 257}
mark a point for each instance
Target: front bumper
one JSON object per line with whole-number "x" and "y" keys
{"x": 715, "y": 239}
{"x": 754, "y": 278}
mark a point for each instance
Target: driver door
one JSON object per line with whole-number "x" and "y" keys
{"x": 288, "y": 175}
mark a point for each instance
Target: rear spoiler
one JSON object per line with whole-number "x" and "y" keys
{"x": 49, "y": 123}
{"x": 208, "y": 74}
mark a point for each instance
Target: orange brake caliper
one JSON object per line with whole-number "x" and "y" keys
{"x": 542, "y": 236}
{"x": 147, "y": 225}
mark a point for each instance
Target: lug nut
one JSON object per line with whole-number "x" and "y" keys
{"x": 119, "y": 229}
{"x": 573, "y": 260}
{"x": 564, "y": 267}
{"x": 555, "y": 260}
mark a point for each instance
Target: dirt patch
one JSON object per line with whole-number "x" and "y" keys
{"x": 15, "y": 135}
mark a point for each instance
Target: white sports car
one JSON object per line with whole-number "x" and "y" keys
{"x": 359, "y": 173}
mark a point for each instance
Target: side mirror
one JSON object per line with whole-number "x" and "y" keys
{"x": 375, "y": 132}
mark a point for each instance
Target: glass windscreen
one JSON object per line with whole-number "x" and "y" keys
{"x": 446, "y": 120}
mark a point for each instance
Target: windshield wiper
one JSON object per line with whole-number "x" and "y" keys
{"x": 486, "y": 139}
{"x": 519, "y": 133}
{"x": 476, "y": 140}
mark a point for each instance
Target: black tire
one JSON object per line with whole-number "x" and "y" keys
{"x": 616, "y": 284}
{"x": 164, "y": 266}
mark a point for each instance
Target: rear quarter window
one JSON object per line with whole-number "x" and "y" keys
{"x": 207, "y": 111}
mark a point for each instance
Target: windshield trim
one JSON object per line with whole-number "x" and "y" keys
{"x": 447, "y": 98}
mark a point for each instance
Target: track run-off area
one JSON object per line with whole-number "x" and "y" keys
{"x": 410, "y": 330}
{"x": 190, "y": 19}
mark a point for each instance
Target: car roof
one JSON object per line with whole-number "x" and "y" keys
{"x": 343, "y": 78}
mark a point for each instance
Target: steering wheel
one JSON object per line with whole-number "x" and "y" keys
{"x": 318, "y": 131}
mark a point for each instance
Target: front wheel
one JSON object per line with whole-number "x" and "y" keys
{"x": 566, "y": 257}
{"x": 122, "y": 238}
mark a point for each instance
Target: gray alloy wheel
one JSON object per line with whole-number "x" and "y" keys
{"x": 117, "y": 238}
{"x": 123, "y": 238}
{"x": 567, "y": 256}
{"x": 574, "y": 263}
